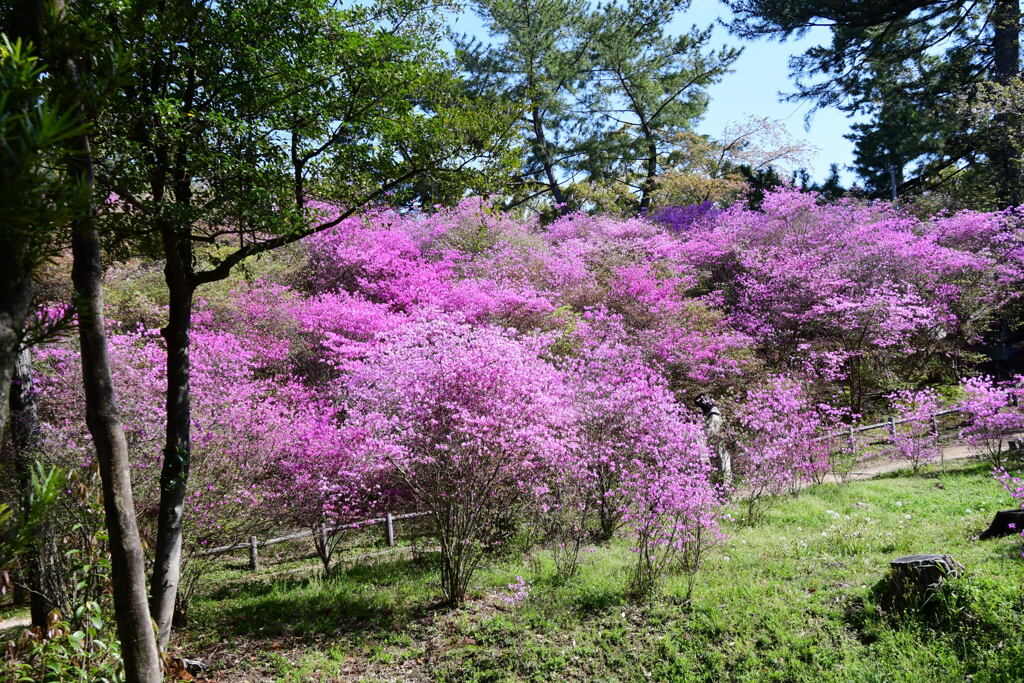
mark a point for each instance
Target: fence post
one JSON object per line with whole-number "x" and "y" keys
{"x": 254, "y": 553}
{"x": 389, "y": 530}
{"x": 892, "y": 428}
{"x": 851, "y": 439}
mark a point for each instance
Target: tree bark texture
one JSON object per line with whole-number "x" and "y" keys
{"x": 131, "y": 609}
{"x": 178, "y": 445}
{"x": 127, "y": 561}
{"x": 1006, "y": 52}
{"x": 25, "y": 445}
{"x": 15, "y": 298}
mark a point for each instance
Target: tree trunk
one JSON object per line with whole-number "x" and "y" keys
{"x": 134, "y": 628}
{"x": 1006, "y": 40}
{"x": 25, "y": 445}
{"x": 544, "y": 154}
{"x": 127, "y": 561}
{"x": 178, "y": 446}
{"x": 650, "y": 176}
{"x": 1006, "y": 157}
{"x": 15, "y": 298}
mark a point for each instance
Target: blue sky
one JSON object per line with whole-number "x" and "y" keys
{"x": 759, "y": 76}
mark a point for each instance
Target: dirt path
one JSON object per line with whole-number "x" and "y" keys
{"x": 14, "y": 622}
{"x": 874, "y": 468}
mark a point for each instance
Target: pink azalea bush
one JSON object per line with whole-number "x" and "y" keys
{"x": 915, "y": 438}
{"x": 994, "y": 414}
{"x": 241, "y": 425}
{"x": 672, "y": 509}
{"x": 471, "y": 421}
{"x": 849, "y": 293}
{"x": 518, "y": 592}
{"x": 503, "y": 374}
{"x": 778, "y": 434}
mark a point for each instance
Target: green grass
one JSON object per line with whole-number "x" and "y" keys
{"x": 787, "y": 600}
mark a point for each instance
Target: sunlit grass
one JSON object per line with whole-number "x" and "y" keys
{"x": 788, "y": 599}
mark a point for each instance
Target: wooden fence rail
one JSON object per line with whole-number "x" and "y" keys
{"x": 253, "y": 544}
{"x": 889, "y": 424}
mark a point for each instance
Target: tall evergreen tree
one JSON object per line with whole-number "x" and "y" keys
{"x": 910, "y": 65}
{"x": 539, "y": 59}
{"x": 651, "y": 88}
{"x": 602, "y": 90}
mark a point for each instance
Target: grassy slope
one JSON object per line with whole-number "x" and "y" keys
{"x": 789, "y": 599}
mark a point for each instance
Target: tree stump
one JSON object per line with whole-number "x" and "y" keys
{"x": 913, "y": 578}
{"x": 1005, "y": 523}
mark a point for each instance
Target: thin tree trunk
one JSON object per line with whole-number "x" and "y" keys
{"x": 178, "y": 446}
{"x": 544, "y": 152}
{"x": 15, "y": 298}
{"x": 127, "y": 561}
{"x": 650, "y": 176}
{"x": 25, "y": 444}
{"x": 131, "y": 610}
{"x": 1006, "y": 48}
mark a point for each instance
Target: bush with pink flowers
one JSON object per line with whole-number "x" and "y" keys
{"x": 916, "y": 437}
{"x": 994, "y": 414}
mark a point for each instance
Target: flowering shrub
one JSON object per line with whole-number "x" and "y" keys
{"x": 849, "y": 293}
{"x": 472, "y": 423}
{"x": 993, "y": 415}
{"x": 679, "y": 218}
{"x": 495, "y": 371}
{"x": 915, "y": 438}
{"x": 777, "y": 429}
{"x": 251, "y": 423}
{"x": 241, "y": 424}
{"x": 672, "y": 509}
{"x": 518, "y": 592}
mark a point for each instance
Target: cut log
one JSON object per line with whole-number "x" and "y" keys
{"x": 913, "y": 578}
{"x": 1005, "y": 523}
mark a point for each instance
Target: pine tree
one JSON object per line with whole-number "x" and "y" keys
{"x": 912, "y": 66}
{"x": 602, "y": 90}
{"x": 652, "y": 88}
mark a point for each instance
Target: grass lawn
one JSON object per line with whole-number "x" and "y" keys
{"x": 789, "y": 599}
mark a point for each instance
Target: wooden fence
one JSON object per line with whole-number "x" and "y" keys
{"x": 889, "y": 424}
{"x": 254, "y": 544}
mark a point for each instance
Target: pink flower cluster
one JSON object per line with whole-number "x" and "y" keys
{"x": 994, "y": 412}
{"x": 776, "y": 434}
{"x": 916, "y": 439}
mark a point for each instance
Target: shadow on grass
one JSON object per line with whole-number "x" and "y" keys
{"x": 1003, "y": 548}
{"x": 958, "y": 469}
{"x": 365, "y": 598}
